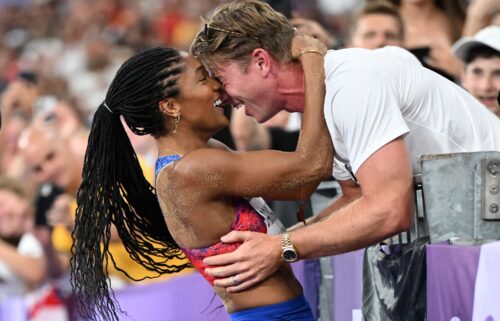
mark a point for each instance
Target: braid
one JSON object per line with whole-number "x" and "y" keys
{"x": 114, "y": 190}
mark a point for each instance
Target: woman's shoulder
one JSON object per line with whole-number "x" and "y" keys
{"x": 203, "y": 161}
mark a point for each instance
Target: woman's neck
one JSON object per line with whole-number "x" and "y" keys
{"x": 178, "y": 143}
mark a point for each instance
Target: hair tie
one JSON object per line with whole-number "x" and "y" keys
{"x": 107, "y": 107}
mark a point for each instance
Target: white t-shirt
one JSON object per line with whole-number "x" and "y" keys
{"x": 375, "y": 96}
{"x": 11, "y": 283}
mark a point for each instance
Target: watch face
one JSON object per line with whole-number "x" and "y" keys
{"x": 289, "y": 255}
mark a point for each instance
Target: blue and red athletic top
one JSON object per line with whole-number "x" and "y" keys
{"x": 247, "y": 219}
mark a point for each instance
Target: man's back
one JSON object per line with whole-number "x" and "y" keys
{"x": 375, "y": 96}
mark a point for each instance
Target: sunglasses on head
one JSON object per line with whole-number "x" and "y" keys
{"x": 207, "y": 29}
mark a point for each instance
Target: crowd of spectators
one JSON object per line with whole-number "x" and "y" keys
{"x": 57, "y": 58}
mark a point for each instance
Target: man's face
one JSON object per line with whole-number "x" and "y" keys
{"x": 376, "y": 31}
{"x": 481, "y": 78}
{"x": 249, "y": 89}
{"x": 50, "y": 161}
{"x": 14, "y": 214}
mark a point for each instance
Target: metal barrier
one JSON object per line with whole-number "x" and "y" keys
{"x": 457, "y": 199}
{"x": 462, "y": 196}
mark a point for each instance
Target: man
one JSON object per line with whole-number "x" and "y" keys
{"x": 383, "y": 110}
{"x": 481, "y": 56}
{"x": 49, "y": 158}
{"x": 377, "y": 24}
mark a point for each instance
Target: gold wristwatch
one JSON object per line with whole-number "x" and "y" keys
{"x": 288, "y": 252}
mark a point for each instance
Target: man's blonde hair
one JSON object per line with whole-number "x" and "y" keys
{"x": 235, "y": 29}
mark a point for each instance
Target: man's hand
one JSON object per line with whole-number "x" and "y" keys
{"x": 255, "y": 260}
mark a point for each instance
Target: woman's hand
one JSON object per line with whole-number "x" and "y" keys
{"x": 60, "y": 212}
{"x": 302, "y": 44}
{"x": 313, "y": 28}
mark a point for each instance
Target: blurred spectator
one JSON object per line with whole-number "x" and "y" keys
{"x": 481, "y": 75}
{"x": 53, "y": 166}
{"x": 64, "y": 118}
{"x": 336, "y": 15}
{"x": 16, "y": 103}
{"x": 375, "y": 25}
{"x": 11, "y": 162}
{"x": 315, "y": 29}
{"x": 480, "y": 14}
{"x": 434, "y": 25}
{"x": 52, "y": 160}
{"x": 178, "y": 21}
{"x": 20, "y": 94}
{"x": 95, "y": 73}
{"x": 22, "y": 264}
{"x": 49, "y": 158}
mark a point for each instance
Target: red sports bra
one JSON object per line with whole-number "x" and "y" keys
{"x": 247, "y": 219}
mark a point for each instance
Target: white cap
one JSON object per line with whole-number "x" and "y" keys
{"x": 489, "y": 36}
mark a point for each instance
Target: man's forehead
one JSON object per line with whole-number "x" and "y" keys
{"x": 490, "y": 61}
{"x": 213, "y": 70}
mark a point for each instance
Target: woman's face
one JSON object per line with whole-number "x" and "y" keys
{"x": 201, "y": 99}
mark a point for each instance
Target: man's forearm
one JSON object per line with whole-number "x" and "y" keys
{"x": 355, "y": 226}
{"x": 333, "y": 207}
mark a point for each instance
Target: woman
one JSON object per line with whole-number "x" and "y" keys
{"x": 431, "y": 27}
{"x": 202, "y": 188}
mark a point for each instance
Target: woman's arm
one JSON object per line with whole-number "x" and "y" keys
{"x": 273, "y": 174}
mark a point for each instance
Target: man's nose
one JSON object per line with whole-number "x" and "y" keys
{"x": 485, "y": 83}
{"x": 381, "y": 41}
{"x": 44, "y": 175}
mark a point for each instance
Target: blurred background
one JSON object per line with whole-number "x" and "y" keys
{"x": 57, "y": 58}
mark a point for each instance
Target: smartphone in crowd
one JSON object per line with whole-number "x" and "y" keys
{"x": 47, "y": 194}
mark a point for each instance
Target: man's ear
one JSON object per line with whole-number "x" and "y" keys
{"x": 170, "y": 107}
{"x": 262, "y": 61}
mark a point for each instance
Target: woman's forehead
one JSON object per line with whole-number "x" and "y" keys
{"x": 191, "y": 61}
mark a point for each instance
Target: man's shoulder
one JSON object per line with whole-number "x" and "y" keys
{"x": 350, "y": 63}
{"x": 360, "y": 58}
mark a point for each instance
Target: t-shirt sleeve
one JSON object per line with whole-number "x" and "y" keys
{"x": 30, "y": 246}
{"x": 367, "y": 115}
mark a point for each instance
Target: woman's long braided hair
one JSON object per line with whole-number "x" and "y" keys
{"x": 114, "y": 189}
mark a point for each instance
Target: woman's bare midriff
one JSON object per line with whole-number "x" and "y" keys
{"x": 280, "y": 287}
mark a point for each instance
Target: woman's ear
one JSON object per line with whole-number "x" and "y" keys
{"x": 169, "y": 107}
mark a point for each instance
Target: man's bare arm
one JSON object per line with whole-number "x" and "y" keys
{"x": 350, "y": 192}
{"x": 384, "y": 209}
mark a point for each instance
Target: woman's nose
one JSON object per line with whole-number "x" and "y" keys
{"x": 217, "y": 84}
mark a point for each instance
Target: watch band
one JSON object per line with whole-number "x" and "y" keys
{"x": 288, "y": 251}
{"x": 286, "y": 242}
